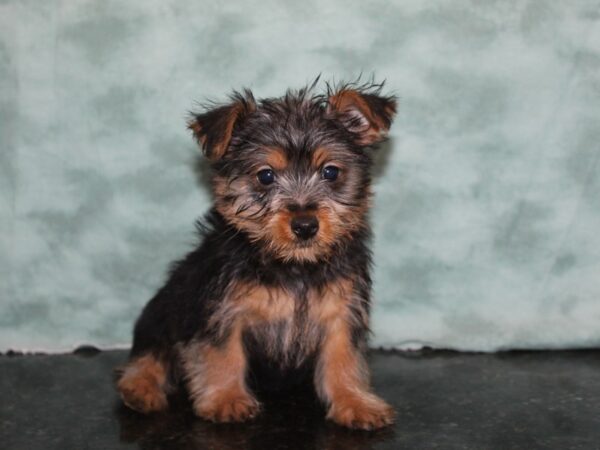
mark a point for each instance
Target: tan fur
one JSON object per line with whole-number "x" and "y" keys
{"x": 290, "y": 325}
{"x": 276, "y": 159}
{"x": 284, "y": 243}
{"x": 320, "y": 156}
{"x": 330, "y": 302}
{"x": 262, "y": 304}
{"x": 283, "y": 236}
{"x": 247, "y": 220}
{"x": 234, "y": 112}
{"x": 249, "y": 304}
{"x": 342, "y": 378}
{"x": 143, "y": 383}
{"x": 347, "y": 100}
{"x": 216, "y": 380}
{"x": 273, "y": 230}
{"x": 329, "y": 227}
{"x": 197, "y": 130}
{"x": 216, "y": 374}
{"x": 333, "y": 224}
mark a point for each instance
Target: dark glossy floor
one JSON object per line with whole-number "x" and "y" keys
{"x": 444, "y": 400}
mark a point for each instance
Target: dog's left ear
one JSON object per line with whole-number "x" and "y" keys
{"x": 214, "y": 128}
{"x": 367, "y": 115}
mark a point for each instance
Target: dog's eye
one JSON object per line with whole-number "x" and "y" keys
{"x": 330, "y": 173}
{"x": 265, "y": 176}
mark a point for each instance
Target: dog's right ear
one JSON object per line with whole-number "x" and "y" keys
{"x": 213, "y": 128}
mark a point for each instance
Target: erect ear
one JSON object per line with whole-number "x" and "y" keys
{"x": 213, "y": 128}
{"x": 366, "y": 114}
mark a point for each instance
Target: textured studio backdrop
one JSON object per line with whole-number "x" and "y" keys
{"x": 487, "y": 213}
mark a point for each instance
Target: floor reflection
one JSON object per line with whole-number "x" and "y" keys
{"x": 291, "y": 420}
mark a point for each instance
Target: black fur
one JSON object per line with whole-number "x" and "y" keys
{"x": 180, "y": 309}
{"x": 241, "y": 239}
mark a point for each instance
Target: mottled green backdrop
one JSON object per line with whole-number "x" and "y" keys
{"x": 487, "y": 217}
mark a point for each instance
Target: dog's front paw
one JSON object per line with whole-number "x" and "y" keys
{"x": 361, "y": 411}
{"x": 228, "y": 407}
{"x": 142, "y": 394}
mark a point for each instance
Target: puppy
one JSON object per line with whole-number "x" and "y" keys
{"x": 281, "y": 276}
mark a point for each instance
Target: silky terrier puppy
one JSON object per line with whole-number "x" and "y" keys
{"x": 281, "y": 277}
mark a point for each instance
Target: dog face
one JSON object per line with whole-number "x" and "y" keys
{"x": 293, "y": 173}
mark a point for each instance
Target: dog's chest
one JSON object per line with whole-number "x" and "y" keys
{"x": 288, "y": 327}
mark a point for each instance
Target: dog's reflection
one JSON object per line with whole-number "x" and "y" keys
{"x": 294, "y": 420}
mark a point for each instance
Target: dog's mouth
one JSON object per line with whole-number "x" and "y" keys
{"x": 306, "y": 243}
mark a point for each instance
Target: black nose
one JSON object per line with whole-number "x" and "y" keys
{"x": 305, "y": 227}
